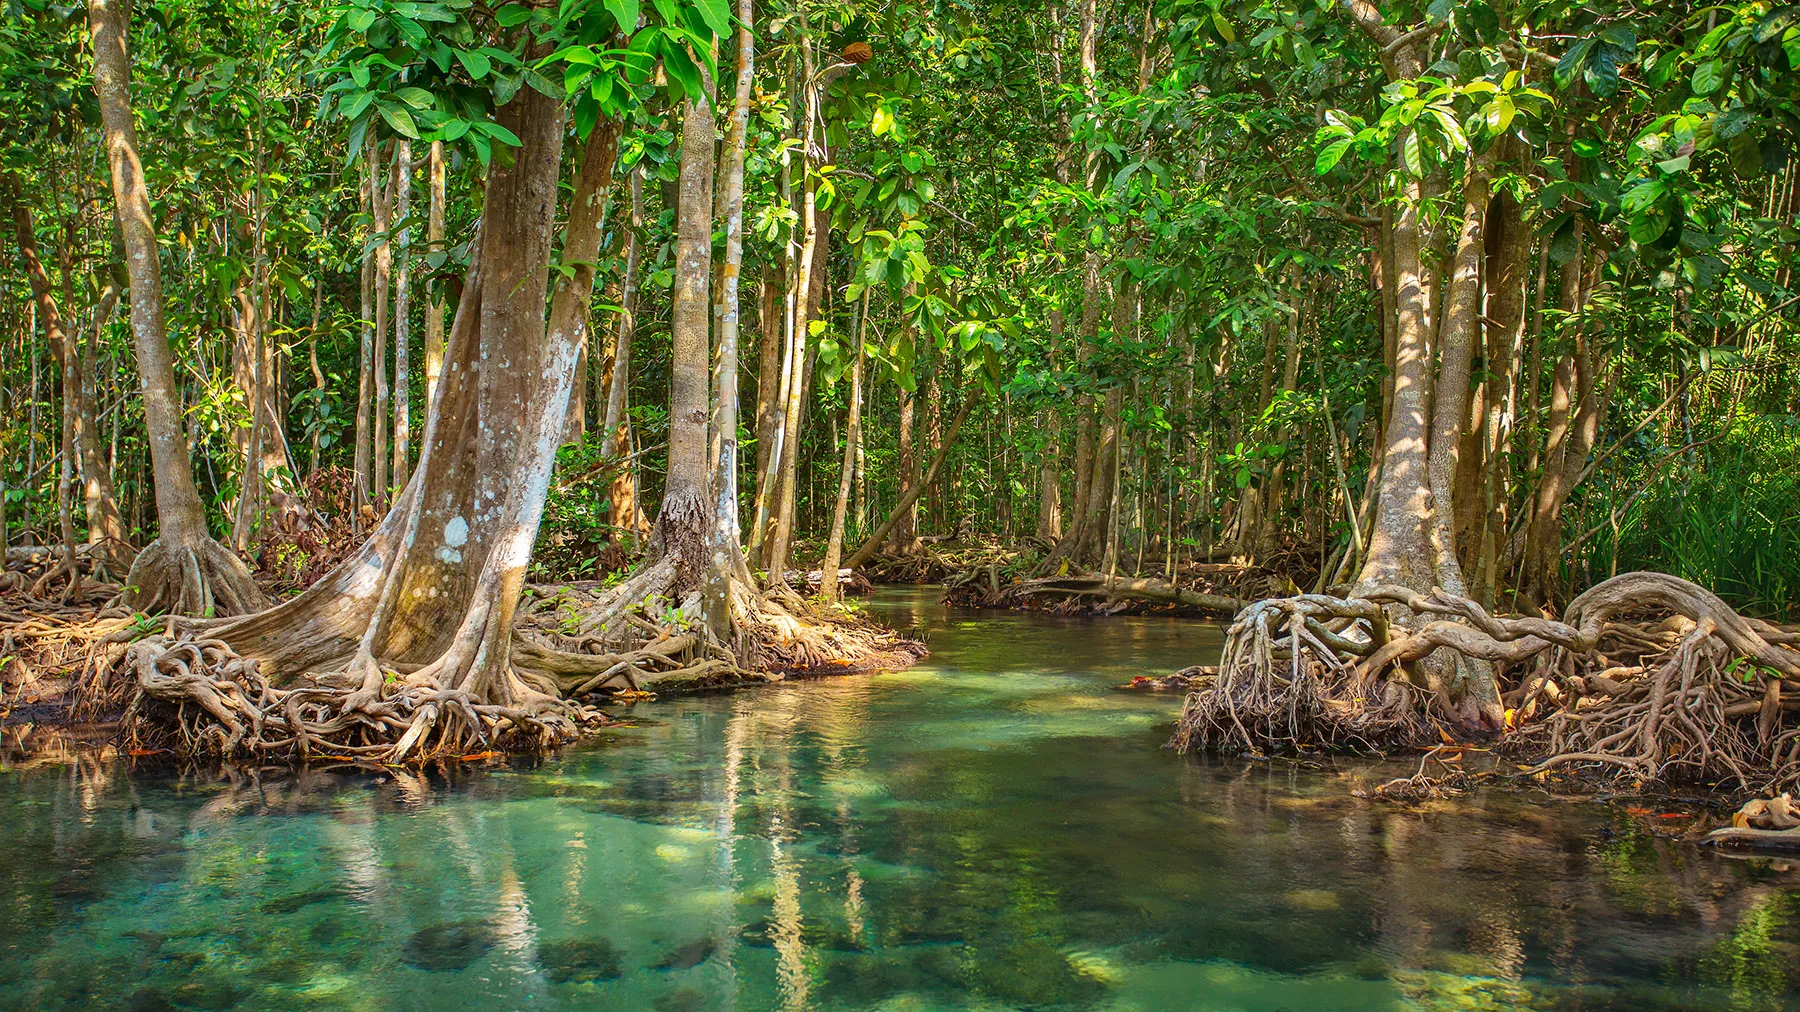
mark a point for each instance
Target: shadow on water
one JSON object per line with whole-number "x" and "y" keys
{"x": 995, "y": 829}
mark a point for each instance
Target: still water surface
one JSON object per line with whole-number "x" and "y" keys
{"x": 994, "y": 829}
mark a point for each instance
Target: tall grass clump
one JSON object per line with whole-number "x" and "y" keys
{"x": 1726, "y": 517}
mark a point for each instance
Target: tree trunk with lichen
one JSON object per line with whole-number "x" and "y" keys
{"x": 682, "y": 521}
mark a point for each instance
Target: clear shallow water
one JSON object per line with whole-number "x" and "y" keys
{"x": 994, "y": 829}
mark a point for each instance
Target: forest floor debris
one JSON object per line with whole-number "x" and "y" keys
{"x": 1762, "y": 824}
{"x": 990, "y": 575}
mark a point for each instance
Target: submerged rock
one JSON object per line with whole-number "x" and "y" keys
{"x": 684, "y": 999}
{"x": 580, "y": 960}
{"x": 449, "y": 946}
{"x": 300, "y": 901}
{"x": 690, "y": 955}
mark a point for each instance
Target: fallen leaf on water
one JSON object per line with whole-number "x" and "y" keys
{"x": 474, "y": 756}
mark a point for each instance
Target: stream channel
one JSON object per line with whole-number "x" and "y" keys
{"x": 997, "y": 828}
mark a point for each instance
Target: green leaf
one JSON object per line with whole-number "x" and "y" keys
{"x": 401, "y": 120}
{"x": 1776, "y": 22}
{"x": 475, "y": 63}
{"x": 1564, "y": 245}
{"x": 626, "y": 13}
{"x": 1708, "y": 76}
{"x": 1603, "y": 69}
{"x": 1573, "y": 62}
{"x": 418, "y": 98}
{"x": 1622, "y": 37}
{"x": 682, "y": 72}
{"x": 1499, "y": 115}
{"x": 512, "y": 15}
{"x": 717, "y": 15}
{"x": 1733, "y": 122}
{"x": 1412, "y": 155}
{"x": 1330, "y": 155}
{"x": 1224, "y": 28}
{"x": 500, "y": 133}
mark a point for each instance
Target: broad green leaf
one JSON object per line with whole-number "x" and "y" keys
{"x": 1330, "y": 155}
{"x": 398, "y": 118}
{"x": 626, "y": 13}
{"x": 1412, "y": 154}
{"x": 717, "y": 15}
{"x": 1573, "y": 62}
{"x": 1776, "y": 22}
{"x": 1708, "y": 76}
{"x": 474, "y": 62}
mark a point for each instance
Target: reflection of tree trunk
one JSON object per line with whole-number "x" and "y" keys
{"x": 185, "y": 571}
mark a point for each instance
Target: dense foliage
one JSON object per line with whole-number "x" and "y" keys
{"x": 1156, "y": 239}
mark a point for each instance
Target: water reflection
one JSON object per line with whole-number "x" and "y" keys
{"x": 993, "y": 830}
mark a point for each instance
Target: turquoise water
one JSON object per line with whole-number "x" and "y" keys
{"x": 994, "y": 829}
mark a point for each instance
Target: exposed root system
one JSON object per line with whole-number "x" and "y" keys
{"x": 570, "y": 647}
{"x": 198, "y": 577}
{"x": 1647, "y": 677}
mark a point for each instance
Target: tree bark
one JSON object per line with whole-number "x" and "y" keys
{"x": 403, "y": 165}
{"x": 726, "y": 560}
{"x": 681, "y": 523}
{"x": 102, "y": 505}
{"x": 434, "y": 306}
{"x": 185, "y": 570}
{"x": 834, "y": 542}
{"x": 788, "y": 465}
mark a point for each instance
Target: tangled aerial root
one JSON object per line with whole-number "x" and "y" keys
{"x": 222, "y": 705}
{"x": 1647, "y": 677}
{"x": 570, "y": 647}
{"x": 1292, "y": 676}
